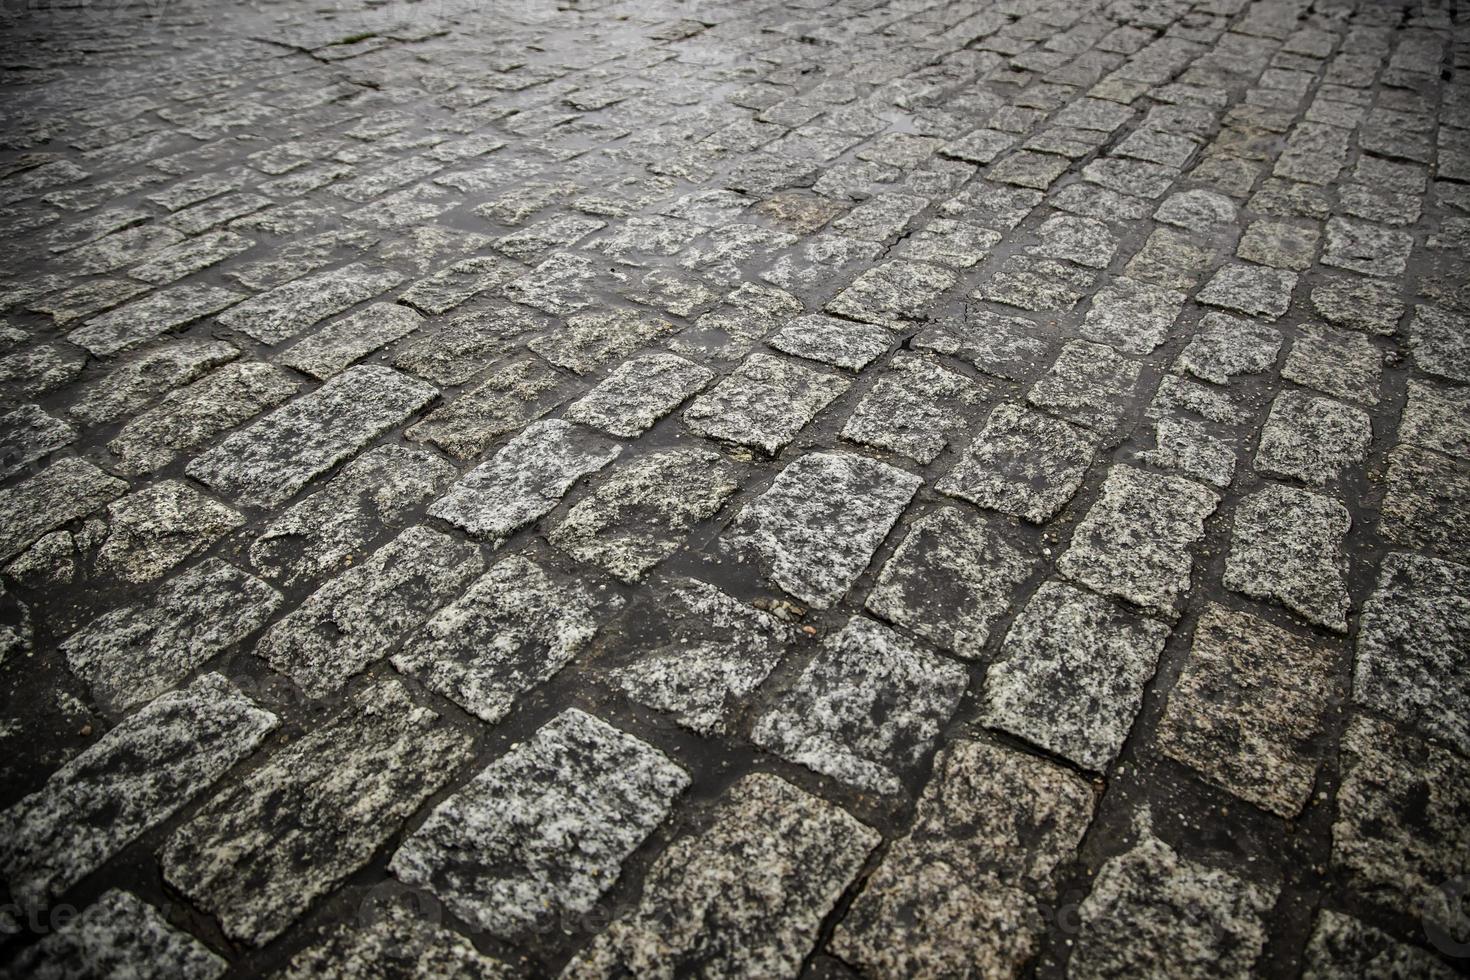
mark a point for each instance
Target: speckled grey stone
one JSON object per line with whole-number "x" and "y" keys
{"x": 1287, "y": 547}
{"x": 1427, "y": 504}
{"x": 865, "y": 710}
{"x": 892, "y": 294}
{"x": 131, "y": 779}
{"x": 841, "y": 343}
{"x": 1085, "y": 241}
{"x": 133, "y": 384}
{"x": 1342, "y": 946}
{"x": 1135, "y": 541}
{"x": 817, "y": 526}
{"x": 28, "y": 434}
{"x": 1172, "y": 258}
{"x": 515, "y": 627}
{"x": 1254, "y": 290}
{"x": 1090, "y": 384}
{"x": 1439, "y": 340}
{"x": 290, "y": 309}
{"x": 1008, "y": 347}
{"x": 957, "y": 895}
{"x": 950, "y": 243}
{"x": 1039, "y": 284}
{"x": 1152, "y": 913}
{"x": 639, "y": 393}
{"x": 1022, "y": 463}
{"x": 1132, "y": 316}
{"x": 467, "y": 344}
{"x": 1279, "y": 245}
{"x": 159, "y": 313}
{"x": 1339, "y": 362}
{"x": 695, "y": 653}
{"x": 1360, "y": 304}
{"x": 881, "y": 217}
{"x": 524, "y": 481}
{"x": 1311, "y": 438}
{"x": 382, "y": 488}
{"x": 394, "y": 943}
{"x": 343, "y": 342}
{"x": 821, "y": 261}
{"x": 1413, "y": 654}
{"x": 592, "y": 339}
{"x": 64, "y": 491}
{"x": 1401, "y": 832}
{"x": 1250, "y": 710}
{"x": 38, "y": 368}
{"x": 357, "y": 617}
{"x": 745, "y": 897}
{"x": 914, "y": 409}
{"x": 153, "y": 529}
{"x": 259, "y": 854}
{"x": 542, "y": 832}
{"x": 119, "y": 935}
{"x": 1437, "y": 417}
{"x": 514, "y": 394}
{"x": 640, "y": 513}
{"x": 764, "y": 403}
{"x": 949, "y": 580}
{"x": 187, "y": 417}
{"x": 1070, "y": 675}
{"x": 1227, "y": 346}
{"x": 1366, "y": 248}
{"x": 1196, "y": 210}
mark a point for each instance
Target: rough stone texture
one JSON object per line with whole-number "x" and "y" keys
{"x": 1091, "y": 384}
{"x": 136, "y": 652}
{"x": 1135, "y": 541}
{"x": 133, "y": 384}
{"x": 1342, "y": 946}
{"x": 1439, "y": 340}
{"x": 1154, "y": 913}
{"x": 1413, "y": 652}
{"x": 119, "y": 935}
{"x": 1312, "y": 439}
{"x": 1287, "y": 547}
{"x": 1250, "y": 289}
{"x": 1022, "y": 463}
{"x": 815, "y": 529}
{"x": 959, "y": 892}
{"x": 524, "y": 481}
{"x": 357, "y": 617}
{"x": 1227, "y": 346}
{"x": 840, "y": 343}
{"x": 913, "y": 409}
{"x": 131, "y": 779}
{"x": 156, "y": 528}
{"x": 1427, "y": 504}
{"x": 1007, "y": 347}
{"x": 1400, "y": 832}
{"x": 512, "y": 395}
{"x": 542, "y": 832}
{"x": 640, "y": 514}
{"x": 1437, "y": 417}
{"x": 1340, "y": 363}
{"x": 63, "y": 492}
{"x": 764, "y": 403}
{"x": 1070, "y": 675}
{"x": 866, "y": 709}
{"x": 290, "y": 309}
{"x": 395, "y": 944}
{"x": 744, "y": 897}
{"x": 343, "y": 342}
{"x": 28, "y": 434}
{"x": 515, "y": 627}
{"x": 639, "y": 393}
{"x": 1132, "y": 316}
{"x": 1249, "y": 711}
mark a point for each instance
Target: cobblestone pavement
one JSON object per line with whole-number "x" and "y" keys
{"x": 887, "y": 488}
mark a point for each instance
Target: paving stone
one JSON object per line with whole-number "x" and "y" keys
{"x": 820, "y": 262}
{"x": 135, "y": 383}
{"x": 913, "y": 409}
{"x": 1154, "y": 913}
{"x": 1085, "y": 241}
{"x": 592, "y": 339}
{"x": 158, "y": 313}
{"x": 1132, "y": 316}
{"x": 1041, "y": 285}
{"x": 1007, "y": 347}
{"x": 357, "y": 617}
{"x": 1196, "y": 210}
{"x": 995, "y": 206}
{"x": 1091, "y": 384}
{"x": 1172, "y": 259}
{"x": 1425, "y": 505}
{"x": 343, "y": 342}
{"x": 1027, "y": 169}
{"x": 949, "y": 581}
{"x": 840, "y": 343}
{"x": 1358, "y": 303}
{"x": 1366, "y": 248}
{"x": 28, "y": 434}
{"x": 1187, "y": 447}
{"x": 169, "y": 265}
{"x": 1439, "y": 340}
{"x": 36, "y": 369}
{"x": 289, "y": 309}
{"x": 466, "y": 345}
{"x": 514, "y": 394}
{"x": 154, "y": 529}
{"x": 130, "y": 780}
{"x": 1250, "y": 289}
{"x": 89, "y": 298}
{"x": 1342, "y": 946}
{"x": 1022, "y": 463}
{"x": 640, "y": 514}
{"x": 448, "y": 288}
{"x": 959, "y": 891}
{"x": 396, "y": 943}
{"x": 1337, "y": 362}
{"x": 1134, "y": 543}
{"x": 1070, "y": 674}
{"x": 259, "y": 854}
{"x": 881, "y": 217}
{"x": 1132, "y": 177}
{"x": 1413, "y": 645}
{"x": 764, "y": 403}
{"x": 189, "y": 416}
{"x": 382, "y": 488}
{"x": 515, "y": 627}
{"x": 523, "y": 481}
{"x": 267, "y": 463}
{"x": 1312, "y": 439}
{"x": 695, "y": 653}
{"x": 638, "y": 393}
{"x": 952, "y": 244}
{"x": 1279, "y": 245}
{"x": 1227, "y": 346}
{"x": 1400, "y": 833}
{"x": 66, "y": 490}
{"x": 543, "y": 831}
{"x": 816, "y": 527}
{"x": 1249, "y": 711}
{"x": 1438, "y": 418}
{"x": 892, "y": 294}
{"x": 701, "y": 908}
{"x": 119, "y": 935}
{"x": 1287, "y": 547}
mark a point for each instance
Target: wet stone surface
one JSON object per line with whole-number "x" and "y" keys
{"x": 866, "y": 489}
